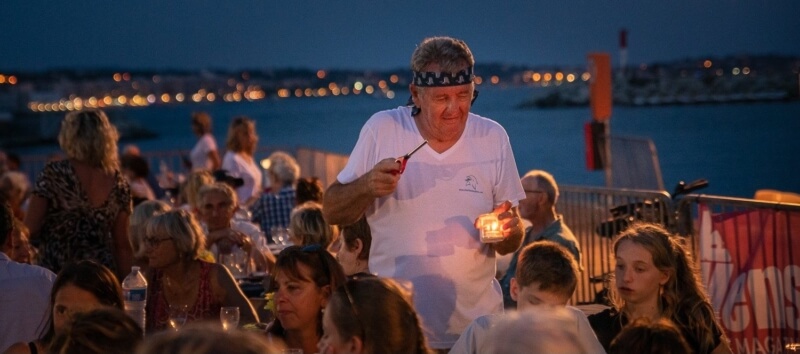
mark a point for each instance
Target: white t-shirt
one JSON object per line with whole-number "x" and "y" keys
{"x": 423, "y": 232}
{"x": 199, "y": 154}
{"x": 141, "y": 189}
{"x": 24, "y": 301}
{"x": 476, "y": 338}
{"x": 237, "y": 166}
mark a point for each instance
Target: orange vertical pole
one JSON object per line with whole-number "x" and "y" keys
{"x": 600, "y": 86}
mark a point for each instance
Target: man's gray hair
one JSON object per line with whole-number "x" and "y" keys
{"x": 452, "y": 55}
{"x": 546, "y": 182}
{"x": 285, "y": 167}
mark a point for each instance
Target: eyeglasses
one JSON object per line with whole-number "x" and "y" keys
{"x": 154, "y": 242}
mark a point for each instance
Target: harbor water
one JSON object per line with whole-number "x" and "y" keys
{"x": 738, "y": 147}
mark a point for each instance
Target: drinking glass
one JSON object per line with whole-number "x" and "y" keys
{"x": 280, "y": 236}
{"x": 236, "y": 261}
{"x": 229, "y": 316}
{"x": 241, "y": 260}
{"x": 242, "y": 214}
{"x": 178, "y": 315}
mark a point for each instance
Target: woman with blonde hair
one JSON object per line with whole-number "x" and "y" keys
{"x": 138, "y": 227}
{"x": 655, "y": 277}
{"x": 14, "y": 187}
{"x": 81, "y": 205}
{"x": 239, "y": 162}
{"x": 22, "y": 252}
{"x": 307, "y": 226}
{"x": 178, "y": 278}
{"x": 191, "y": 187}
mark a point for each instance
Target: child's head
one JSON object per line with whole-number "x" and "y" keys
{"x": 22, "y": 252}
{"x": 646, "y": 336}
{"x": 546, "y": 274}
{"x": 307, "y": 226}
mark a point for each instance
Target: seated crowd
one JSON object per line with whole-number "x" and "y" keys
{"x": 63, "y": 294}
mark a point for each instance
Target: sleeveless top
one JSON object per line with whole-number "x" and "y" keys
{"x": 206, "y": 307}
{"x": 72, "y": 229}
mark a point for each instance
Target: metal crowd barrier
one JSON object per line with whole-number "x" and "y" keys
{"x": 313, "y": 162}
{"x": 588, "y": 213}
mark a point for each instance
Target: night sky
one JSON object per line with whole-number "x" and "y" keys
{"x": 324, "y": 34}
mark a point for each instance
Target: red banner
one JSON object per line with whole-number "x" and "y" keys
{"x": 751, "y": 266}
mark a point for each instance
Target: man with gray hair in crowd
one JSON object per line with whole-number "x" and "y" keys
{"x": 539, "y": 208}
{"x": 272, "y": 209}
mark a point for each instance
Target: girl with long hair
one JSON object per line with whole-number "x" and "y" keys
{"x": 655, "y": 277}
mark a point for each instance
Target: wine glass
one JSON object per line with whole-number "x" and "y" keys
{"x": 275, "y": 233}
{"x": 229, "y": 316}
{"x": 178, "y": 315}
{"x": 240, "y": 260}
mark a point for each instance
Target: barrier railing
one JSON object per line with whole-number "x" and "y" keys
{"x": 749, "y": 256}
{"x": 595, "y": 215}
{"x": 313, "y": 162}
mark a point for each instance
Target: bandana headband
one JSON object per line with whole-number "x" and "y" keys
{"x": 439, "y": 79}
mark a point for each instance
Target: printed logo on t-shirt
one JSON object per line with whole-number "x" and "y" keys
{"x": 470, "y": 185}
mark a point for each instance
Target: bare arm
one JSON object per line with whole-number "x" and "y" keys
{"x": 260, "y": 260}
{"x": 230, "y": 295}
{"x": 122, "y": 246}
{"x": 22, "y": 348}
{"x": 213, "y": 155}
{"x": 35, "y": 215}
{"x": 345, "y": 203}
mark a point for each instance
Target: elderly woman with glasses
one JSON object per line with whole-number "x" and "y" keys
{"x": 305, "y": 278}
{"x": 173, "y": 243}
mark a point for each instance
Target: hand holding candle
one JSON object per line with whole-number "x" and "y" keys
{"x": 497, "y": 225}
{"x": 489, "y": 225}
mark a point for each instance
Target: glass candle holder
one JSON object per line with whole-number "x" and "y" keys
{"x": 491, "y": 230}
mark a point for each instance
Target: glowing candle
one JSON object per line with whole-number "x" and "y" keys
{"x": 491, "y": 230}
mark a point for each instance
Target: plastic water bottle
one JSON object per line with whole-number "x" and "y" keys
{"x": 134, "y": 291}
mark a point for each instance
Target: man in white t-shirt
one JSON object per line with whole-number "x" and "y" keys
{"x": 422, "y": 210}
{"x": 25, "y": 294}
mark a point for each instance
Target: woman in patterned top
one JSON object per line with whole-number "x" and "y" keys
{"x": 81, "y": 205}
{"x": 173, "y": 243}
